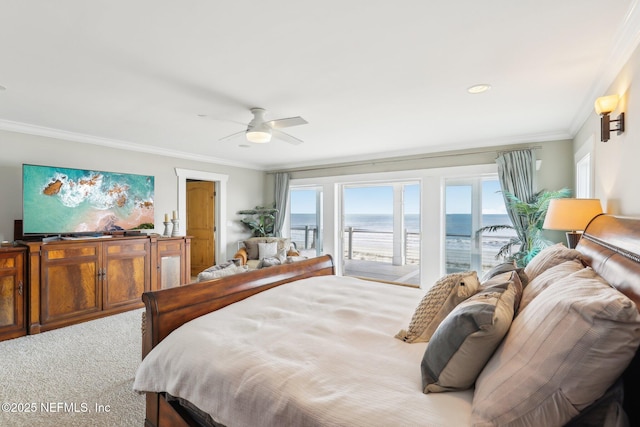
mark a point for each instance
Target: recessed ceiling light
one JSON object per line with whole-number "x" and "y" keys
{"x": 479, "y": 88}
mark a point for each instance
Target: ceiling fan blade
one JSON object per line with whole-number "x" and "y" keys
{"x": 286, "y": 137}
{"x": 288, "y": 122}
{"x": 232, "y": 136}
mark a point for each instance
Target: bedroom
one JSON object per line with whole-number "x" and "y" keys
{"x": 43, "y": 142}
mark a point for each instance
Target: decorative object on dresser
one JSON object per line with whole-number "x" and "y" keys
{"x": 71, "y": 281}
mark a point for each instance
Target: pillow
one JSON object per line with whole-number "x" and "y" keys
{"x": 506, "y": 267}
{"x": 448, "y": 292}
{"x": 252, "y": 247}
{"x": 269, "y": 262}
{"x": 546, "y": 278}
{"x": 468, "y": 336}
{"x": 267, "y": 250}
{"x": 499, "y": 269}
{"x": 550, "y": 257}
{"x": 222, "y": 272}
{"x": 292, "y": 259}
{"x": 563, "y": 351}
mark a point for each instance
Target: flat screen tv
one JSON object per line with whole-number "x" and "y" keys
{"x": 59, "y": 200}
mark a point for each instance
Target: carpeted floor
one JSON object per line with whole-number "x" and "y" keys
{"x": 80, "y": 375}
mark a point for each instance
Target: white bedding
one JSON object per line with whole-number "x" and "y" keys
{"x": 317, "y": 352}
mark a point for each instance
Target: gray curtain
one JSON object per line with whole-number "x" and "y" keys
{"x": 281, "y": 197}
{"x": 516, "y": 172}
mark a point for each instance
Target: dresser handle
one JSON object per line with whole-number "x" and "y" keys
{"x": 20, "y": 287}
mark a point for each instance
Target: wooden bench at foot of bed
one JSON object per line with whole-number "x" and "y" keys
{"x": 167, "y": 309}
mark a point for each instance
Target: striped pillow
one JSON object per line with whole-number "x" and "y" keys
{"x": 563, "y": 351}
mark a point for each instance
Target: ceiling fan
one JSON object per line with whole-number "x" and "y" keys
{"x": 260, "y": 130}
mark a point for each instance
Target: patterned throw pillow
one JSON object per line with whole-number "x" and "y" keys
{"x": 447, "y": 293}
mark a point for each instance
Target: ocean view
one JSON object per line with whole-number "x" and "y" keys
{"x": 372, "y": 239}
{"x": 457, "y": 224}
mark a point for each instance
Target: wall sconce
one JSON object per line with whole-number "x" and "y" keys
{"x": 604, "y": 106}
{"x": 571, "y": 214}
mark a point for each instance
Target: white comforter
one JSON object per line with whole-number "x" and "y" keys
{"x": 317, "y": 352}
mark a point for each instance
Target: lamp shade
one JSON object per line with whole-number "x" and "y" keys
{"x": 571, "y": 214}
{"x": 606, "y": 104}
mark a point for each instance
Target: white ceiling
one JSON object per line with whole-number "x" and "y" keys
{"x": 373, "y": 78}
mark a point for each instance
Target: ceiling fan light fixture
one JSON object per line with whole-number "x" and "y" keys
{"x": 259, "y": 134}
{"x": 479, "y": 88}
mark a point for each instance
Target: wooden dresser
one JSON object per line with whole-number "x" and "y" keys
{"x": 71, "y": 281}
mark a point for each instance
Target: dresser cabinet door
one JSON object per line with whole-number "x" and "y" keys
{"x": 12, "y": 294}
{"x": 70, "y": 285}
{"x": 171, "y": 263}
{"x": 126, "y": 266}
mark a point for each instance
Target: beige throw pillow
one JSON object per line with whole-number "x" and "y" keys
{"x": 267, "y": 250}
{"x": 550, "y": 257}
{"x": 439, "y": 300}
{"x": 546, "y": 278}
{"x": 563, "y": 351}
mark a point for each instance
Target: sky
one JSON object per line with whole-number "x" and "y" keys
{"x": 379, "y": 199}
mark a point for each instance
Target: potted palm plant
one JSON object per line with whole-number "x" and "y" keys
{"x": 260, "y": 220}
{"x": 529, "y": 240}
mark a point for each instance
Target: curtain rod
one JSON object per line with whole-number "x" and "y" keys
{"x": 402, "y": 159}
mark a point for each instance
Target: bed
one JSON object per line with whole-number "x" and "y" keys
{"x": 332, "y": 358}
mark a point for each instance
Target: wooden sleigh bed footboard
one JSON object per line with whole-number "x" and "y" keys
{"x": 168, "y": 309}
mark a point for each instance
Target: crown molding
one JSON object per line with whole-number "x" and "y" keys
{"x": 30, "y": 129}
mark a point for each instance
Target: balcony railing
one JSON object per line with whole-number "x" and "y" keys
{"x": 372, "y": 245}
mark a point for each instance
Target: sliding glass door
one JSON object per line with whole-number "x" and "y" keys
{"x": 470, "y": 204}
{"x": 381, "y": 231}
{"x": 306, "y": 219}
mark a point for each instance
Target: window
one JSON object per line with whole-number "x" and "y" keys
{"x": 306, "y": 219}
{"x": 584, "y": 188}
{"x": 381, "y": 231}
{"x": 470, "y": 204}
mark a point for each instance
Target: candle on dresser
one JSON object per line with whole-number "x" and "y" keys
{"x": 174, "y": 215}
{"x": 166, "y": 217}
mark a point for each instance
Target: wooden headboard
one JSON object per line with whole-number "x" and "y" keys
{"x": 611, "y": 246}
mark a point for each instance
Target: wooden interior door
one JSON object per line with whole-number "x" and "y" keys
{"x": 201, "y": 224}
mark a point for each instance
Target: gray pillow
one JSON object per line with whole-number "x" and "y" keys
{"x": 468, "y": 336}
{"x": 506, "y": 267}
{"x": 269, "y": 262}
{"x": 251, "y": 245}
{"x": 439, "y": 300}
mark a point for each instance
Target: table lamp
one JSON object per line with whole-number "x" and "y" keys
{"x": 573, "y": 215}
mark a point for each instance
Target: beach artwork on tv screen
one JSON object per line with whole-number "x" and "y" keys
{"x": 62, "y": 200}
